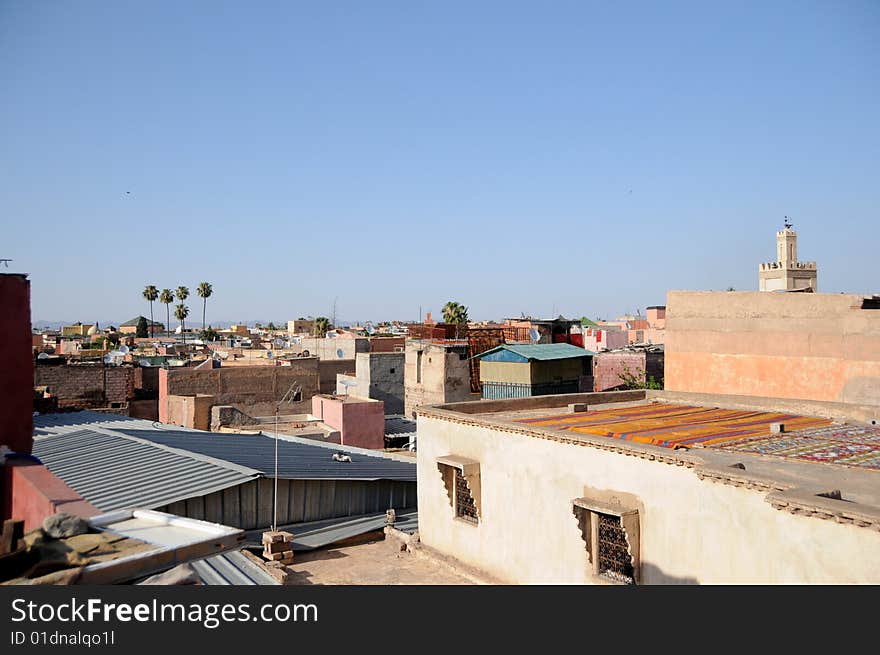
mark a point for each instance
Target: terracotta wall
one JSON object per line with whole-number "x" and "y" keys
{"x": 251, "y": 389}
{"x": 807, "y": 346}
{"x": 88, "y": 386}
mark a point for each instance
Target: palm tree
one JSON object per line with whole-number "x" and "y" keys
{"x": 182, "y": 293}
{"x": 181, "y": 311}
{"x": 456, "y": 314}
{"x": 150, "y": 293}
{"x": 322, "y": 326}
{"x": 205, "y": 290}
{"x": 166, "y": 298}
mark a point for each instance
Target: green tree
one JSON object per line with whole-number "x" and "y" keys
{"x": 141, "y": 330}
{"x": 271, "y": 326}
{"x": 204, "y": 290}
{"x": 209, "y": 334}
{"x": 322, "y": 326}
{"x": 181, "y": 311}
{"x": 182, "y": 293}
{"x": 150, "y": 293}
{"x": 636, "y": 380}
{"x": 166, "y": 298}
{"x": 455, "y": 314}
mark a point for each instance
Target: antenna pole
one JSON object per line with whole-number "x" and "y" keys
{"x": 275, "y": 491}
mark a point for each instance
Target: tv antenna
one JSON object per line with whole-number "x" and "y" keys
{"x": 787, "y": 223}
{"x": 347, "y": 384}
{"x": 288, "y": 397}
{"x": 5, "y": 262}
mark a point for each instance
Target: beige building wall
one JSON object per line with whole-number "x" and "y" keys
{"x": 807, "y": 346}
{"x": 435, "y": 374}
{"x": 518, "y": 373}
{"x": 692, "y": 531}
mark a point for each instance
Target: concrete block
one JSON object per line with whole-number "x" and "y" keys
{"x": 275, "y": 557}
{"x": 777, "y": 428}
{"x": 577, "y": 407}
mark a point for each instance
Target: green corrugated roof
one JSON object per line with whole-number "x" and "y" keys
{"x": 588, "y": 323}
{"x": 542, "y": 351}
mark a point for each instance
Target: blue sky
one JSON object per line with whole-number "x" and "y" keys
{"x": 576, "y": 157}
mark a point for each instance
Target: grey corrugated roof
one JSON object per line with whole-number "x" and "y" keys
{"x": 231, "y": 568}
{"x": 316, "y": 534}
{"x": 298, "y": 459}
{"x": 115, "y": 471}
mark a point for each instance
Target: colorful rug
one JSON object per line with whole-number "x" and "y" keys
{"x": 675, "y": 426}
{"x": 850, "y": 445}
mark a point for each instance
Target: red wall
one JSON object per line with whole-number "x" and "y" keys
{"x": 37, "y": 493}
{"x": 16, "y": 355}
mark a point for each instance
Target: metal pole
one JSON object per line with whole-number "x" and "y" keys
{"x": 275, "y": 492}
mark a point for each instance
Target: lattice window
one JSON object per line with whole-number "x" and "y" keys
{"x": 614, "y": 560}
{"x": 611, "y": 534}
{"x": 465, "y": 507}
{"x": 461, "y": 479}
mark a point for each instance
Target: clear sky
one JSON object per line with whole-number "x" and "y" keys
{"x": 577, "y": 157}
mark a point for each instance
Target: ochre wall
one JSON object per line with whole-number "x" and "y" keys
{"x": 805, "y": 346}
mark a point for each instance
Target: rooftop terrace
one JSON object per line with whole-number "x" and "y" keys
{"x": 815, "y": 455}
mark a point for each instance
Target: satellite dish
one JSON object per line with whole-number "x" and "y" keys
{"x": 144, "y": 363}
{"x": 369, "y": 328}
{"x": 534, "y": 335}
{"x": 347, "y": 384}
{"x": 269, "y": 355}
{"x": 305, "y": 353}
{"x": 124, "y": 350}
{"x": 108, "y": 358}
{"x": 340, "y": 353}
{"x": 43, "y": 356}
{"x": 115, "y": 353}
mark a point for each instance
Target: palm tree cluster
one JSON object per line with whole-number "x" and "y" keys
{"x": 322, "y": 326}
{"x": 456, "y": 314}
{"x": 181, "y": 311}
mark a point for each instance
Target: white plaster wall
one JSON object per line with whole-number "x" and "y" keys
{"x": 692, "y": 531}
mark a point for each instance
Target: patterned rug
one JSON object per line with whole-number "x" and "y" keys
{"x": 850, "y": 445}
{"x": 675, "y": 426}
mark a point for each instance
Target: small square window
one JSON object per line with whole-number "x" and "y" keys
{"x": 392, "y": 370}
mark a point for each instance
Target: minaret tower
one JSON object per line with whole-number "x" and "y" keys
{"x": 787, "y": 273}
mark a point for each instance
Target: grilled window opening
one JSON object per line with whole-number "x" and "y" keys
{"x": 465, "y": 506}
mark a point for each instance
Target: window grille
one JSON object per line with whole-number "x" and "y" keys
{"x": 465, "y": 507}
{"x": 613, "y": 553}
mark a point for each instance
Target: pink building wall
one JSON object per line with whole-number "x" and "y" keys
{"x": 360, "y": 421}
{"x": 598, "y": 340}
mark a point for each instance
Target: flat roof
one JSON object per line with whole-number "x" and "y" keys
{"x": 720, "y": 443}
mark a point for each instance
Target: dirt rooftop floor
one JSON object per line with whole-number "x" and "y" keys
{"x": 377, "y": 562}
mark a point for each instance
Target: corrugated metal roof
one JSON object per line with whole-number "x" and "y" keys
{"x": 541, "y": 352}
{"x": 231, "y": 568}
{"x": 117, "y": 462}
{"x": 114, "y": 471}
{"x": 316, "y": 534}
{"x": 298, "y": 459}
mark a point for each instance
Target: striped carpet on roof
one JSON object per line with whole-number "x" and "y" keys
{"x": 675, "y": 426}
